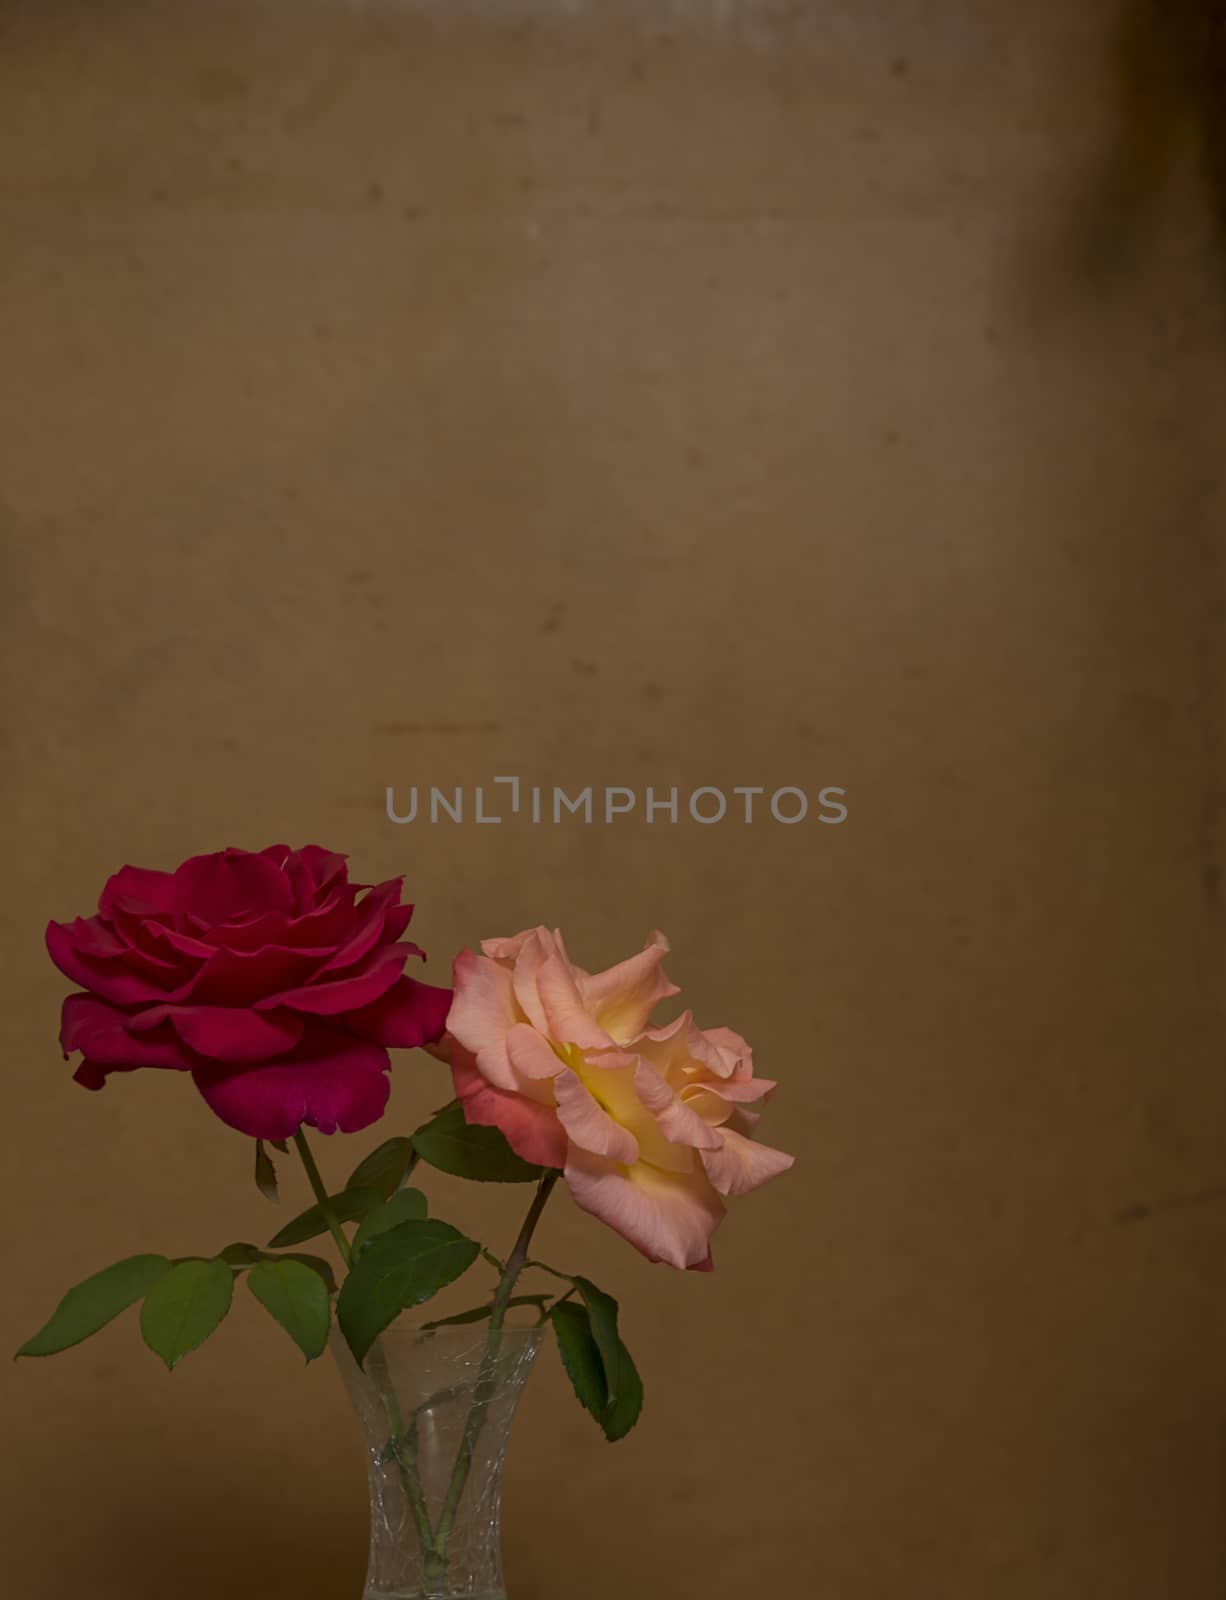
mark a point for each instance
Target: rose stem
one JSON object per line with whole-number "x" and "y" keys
{"x": 321, "y": 1195}
{"x": 485, "y": 1380}
{"x": 378, "y": 1366}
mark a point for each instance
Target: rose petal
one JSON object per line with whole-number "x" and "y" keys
{"x": 669, "y": 1217}
{"x": 109, "y": 981}
{"x": 312, "y": 870}
{"x": 370, "y": 916}
{"x": 524, "y": 976}
{"x": 623, "y": 997}
{"x": 742, "y": 1164}
{"x": 482, "y": 1013}
{"x": 507, "y": 949}
{"x": 93, "y": 937}
{"x": 678, "y": 1122}
{"x": 348, "y": 993}
{"x": 530, "y": 1055}
{"x": 567, "y": 1018}
{"x": 101, "y": 1034}
{"x": 231, "y": 883}
{"x": 332, "y": 1081}
{"x": 409, "y": 1014}
{"x": 241, "y": 977}
{"x": 724, "y": 1051}
{"x": 588, "y": 1124}
{"x": 138, "y": 890}
{"x": 733, "y": 1091}
{"x": 227, "y": 1033}
{"x": 531, "y": 1128}
{"x": 394, "y": 924}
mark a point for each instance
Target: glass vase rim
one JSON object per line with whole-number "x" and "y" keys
{"x": 458, "y": 1333}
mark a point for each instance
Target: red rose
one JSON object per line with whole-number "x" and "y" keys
{"x": 268, "y": 976}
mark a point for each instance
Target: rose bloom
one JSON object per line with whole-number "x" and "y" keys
{"x": 649, "y": 1125}
{"x": 268, "y": 976}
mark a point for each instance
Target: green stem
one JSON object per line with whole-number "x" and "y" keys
{"x": 321, "y": 1195}
{"x": 436, "y": 1566}
{"x": 402, "y": 1443}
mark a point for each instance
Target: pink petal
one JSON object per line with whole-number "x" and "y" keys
{"x": 231, "y": 883}
{"x": 508, "y": 949}
{"x": 567, "y": 1018}
{"x": 524, "y": 975}
{"x": 622, "y": 997}
{"x": 331, "y": 1081}
{"x": 101, "y": 1034}
{"x": 742, "y": 1164}
{"x": 667, "y": 1216}
{"x": 724, "y": 1051}
{"x": 409, "y": 1014}
{"x": 678, "y": 1122}
{"x": 530, "y": 1055}
{"x": 588, "y": 1124}
{"x": 532, "y": 1129}
{"x": 482, "y": 1013}
{"x": 735, "y": 1090}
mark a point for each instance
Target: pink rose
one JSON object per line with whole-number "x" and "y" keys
{"x": 648, "y": 1124}
{"x": 268, "y": 976}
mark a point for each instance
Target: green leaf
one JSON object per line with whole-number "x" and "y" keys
{"x": 396, "y": 1270}
{"x": 265, "y": 1172}
{"x": 467, "y": 1150}
{"x": 278, "y": 1144}
{"x": 480, "y": 1313}
{"x": 409, "y": 1205}
{"x": 602, "y": 1313}
{"x": 384, "y": 1169}
{"x": 623, "y": 1412}
{"x": 585, "y": 1367}
{"x": 295, "y": 1296}
{"x": 185, "y": 1306}
{"x": 240, "y": 1256}
{"x": 580, "y": 1356}
{"x": 347, "y": 1206}
{"x": 321, "y": 1268}
{"x": 93, "y": 1303}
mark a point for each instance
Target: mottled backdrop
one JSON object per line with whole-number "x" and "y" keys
{"x": 809, "y": 394}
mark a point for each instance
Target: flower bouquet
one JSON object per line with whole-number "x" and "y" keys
{"x": 279, "y": 986}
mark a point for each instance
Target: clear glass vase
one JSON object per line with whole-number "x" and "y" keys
{"x": 435, "y": 1408}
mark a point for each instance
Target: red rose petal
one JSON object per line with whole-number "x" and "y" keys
{"x": 232, "y": 883}
{"x": 348, "y": 993}
{"x": 331, "y": 1082}
{"x": 226, "y": 1033}
{"x": 101, "y": 1034}
{"x": 408, "y": 1015}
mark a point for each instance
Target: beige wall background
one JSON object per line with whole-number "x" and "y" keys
{"x": 707, "y": 394}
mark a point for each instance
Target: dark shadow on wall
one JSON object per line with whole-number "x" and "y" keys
{"x": 1170, "y": 71}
